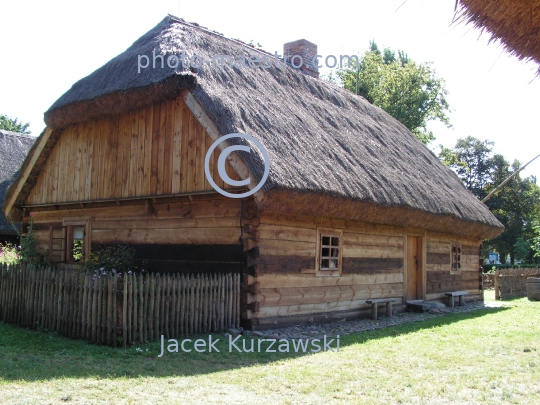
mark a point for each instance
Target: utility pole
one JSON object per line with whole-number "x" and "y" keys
{"x": 508, "y": 179}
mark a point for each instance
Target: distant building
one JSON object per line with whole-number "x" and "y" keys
{"x": 13, "y": 149}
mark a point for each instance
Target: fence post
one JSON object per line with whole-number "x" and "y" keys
{"x": 496, "y": 281}
{"x": 126, "y": 279}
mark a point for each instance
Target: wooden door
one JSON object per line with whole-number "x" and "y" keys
{"x": 414, "y": 268}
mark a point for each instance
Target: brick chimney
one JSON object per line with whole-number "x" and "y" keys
{"x": 299, "y": 54}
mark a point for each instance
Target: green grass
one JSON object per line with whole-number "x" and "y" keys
{"x": 486, "y": 356}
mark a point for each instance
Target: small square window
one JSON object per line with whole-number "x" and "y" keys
{"x": 329, "y": 252}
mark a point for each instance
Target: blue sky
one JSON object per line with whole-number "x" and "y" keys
{"x": 46, "y": 46}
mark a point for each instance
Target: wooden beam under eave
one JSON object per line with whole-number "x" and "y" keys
{"x": 27, "y": 171}
{"x": 210, "y": 127}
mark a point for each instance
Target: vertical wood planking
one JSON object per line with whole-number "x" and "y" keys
{"x": 83, "y": 156}
{"x": 120, "y": 156}
{"x": 112, "y": 140}
{"x": 156, "y": 136}
{"x": 177, "y": 146}
{"x": 90, "y": 141}
{"x": 76, "y": 167}
{"x": 168, "y": 150}
{"x": 139, "y": 187}
{"x": 148, "y": 145}
{"x": 134, "y": 135}
{"x": 161, "y": 146}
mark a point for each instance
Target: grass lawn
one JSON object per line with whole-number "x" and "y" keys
{"x": 487, "y": 356}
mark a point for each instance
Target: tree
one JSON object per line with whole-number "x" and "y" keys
{"x": 535, "y": 247}
{"x": 407, "y": 90}
{"x": 472, "y": 161}
{"x": 522, "y": 249}
{"x": 516, "y": 205}
{"x": 10, "y": 124}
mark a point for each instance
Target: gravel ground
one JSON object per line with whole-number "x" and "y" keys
{"x": 345, "y": 327}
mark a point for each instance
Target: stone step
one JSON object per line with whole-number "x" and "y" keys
{"x": 423, "y": 306}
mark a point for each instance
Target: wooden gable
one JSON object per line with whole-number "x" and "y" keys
{"x": 153, "y": 151}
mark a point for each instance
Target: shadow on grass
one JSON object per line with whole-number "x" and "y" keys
{"x": 31, "y": 355}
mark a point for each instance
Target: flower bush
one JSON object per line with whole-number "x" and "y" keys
{"x": 9, "y": 254}
{"x": 106, "y": 259}
{"x": 29, "y": 252}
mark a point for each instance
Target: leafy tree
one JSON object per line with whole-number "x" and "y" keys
{"x": 472, "y": 161}
{"x": 516, "y": 205}
{"x": 407, "y": 90}
{"x": 535, "y": 247}
{"x": 522, "y": 249}
{"x": 10, "y": 124}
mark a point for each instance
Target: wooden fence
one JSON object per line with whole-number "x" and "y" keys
{"x": 510, "y": 283}
{"x": 117, "y": 309}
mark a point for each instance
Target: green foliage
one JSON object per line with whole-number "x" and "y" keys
{"x": 521, "y": 249}
{"x": 77, "y": 250}
{"x": 535, "y": 246}
{"x": 472, "y": 161}
{"x": 407, "y": 90}
{"x": 516, "y": 205}
{"x": 118, "y": 258}
{"x": 9, "y": 254}
{"x": 30, "y": 252}
{"x": 10, "y": 124}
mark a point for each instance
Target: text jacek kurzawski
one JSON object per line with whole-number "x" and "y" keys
{"x": 238, "y": 345}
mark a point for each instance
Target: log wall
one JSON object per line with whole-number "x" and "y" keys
{"x": 157, "y": 150}
{"x": 287, "y": 288}
{"x": 202, "y": 235}
{"x": 283, "y": 287}
{"x": 440, "y": 279}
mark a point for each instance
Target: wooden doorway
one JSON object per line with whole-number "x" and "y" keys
{"x": 415, "y": 266}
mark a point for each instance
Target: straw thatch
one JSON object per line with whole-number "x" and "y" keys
{"x": 516, "y": 23}
{"x": 13, "y": 149}
{"x": 328, "y": 148}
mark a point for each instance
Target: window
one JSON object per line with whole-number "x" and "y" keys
{"x": 77, "y": 244}
{"x": 456, "y": 257}
{"x": 77, "y": 239}
{"x": 329, "y": 252}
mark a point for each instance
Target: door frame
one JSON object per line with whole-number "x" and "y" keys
{"x": 423, "y": 235}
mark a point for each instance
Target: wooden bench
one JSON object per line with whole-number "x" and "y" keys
{"x": 374, "y": 303}
{"x": 451, "y": 295}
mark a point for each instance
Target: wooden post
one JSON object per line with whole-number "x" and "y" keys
{"x": 110, "y": 296}
{"x": 374, "y": 311}
{"x": 126, "y": 283}
{"x": 158, "y": 331}
{"x": 389, "y": 309}
{"x": 497, "y": 295}
{"x": 114, "y": 326}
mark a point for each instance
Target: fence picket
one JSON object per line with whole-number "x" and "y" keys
{"x": 104, "y": 307}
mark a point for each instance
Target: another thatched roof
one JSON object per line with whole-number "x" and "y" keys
{"x": 13, "y": 149}
{"x": 516, "y": 23}
{"x": 332, "y": 153}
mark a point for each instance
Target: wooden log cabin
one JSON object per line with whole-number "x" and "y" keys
{"x": 354, "y": 207}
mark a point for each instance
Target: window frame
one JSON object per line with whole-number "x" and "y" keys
{"x": 455, "y": 258}
{"x": 332, "y": 233}
{"x": 71, "y": 224}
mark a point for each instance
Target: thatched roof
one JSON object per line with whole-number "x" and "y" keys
{"x": 516, "y": 23}
{"x": 332, "y": 153}
{"x": 13, "y": 150}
